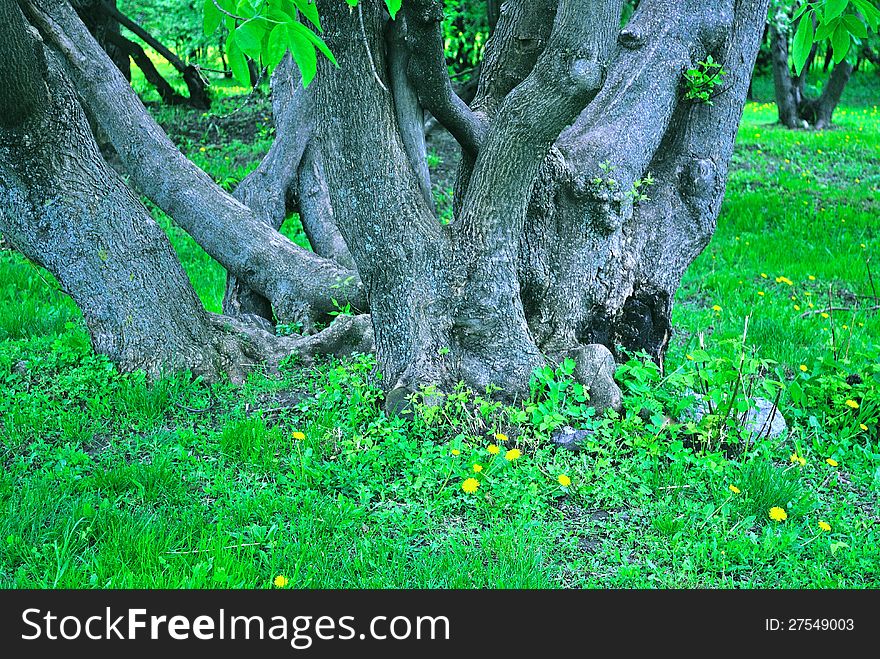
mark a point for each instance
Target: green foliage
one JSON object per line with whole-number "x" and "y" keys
{"x": 700, "y": 82}
{"x": 264, "y": 30}
{"x": 842, "y": 23}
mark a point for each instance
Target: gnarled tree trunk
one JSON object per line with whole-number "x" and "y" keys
{"x": 558, "y": 246}
{"x": 795, "y": 108}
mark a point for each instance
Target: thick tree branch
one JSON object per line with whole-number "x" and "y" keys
{"x": 626, "y": 122}
{"x": 428, "y": 72}
{"x": 22, "y": 88}
{"x": 410, "y": 113}
{"x": 567, "y": 75}
{"x": 517, "y": 40}
{"x": 295, "y": 280}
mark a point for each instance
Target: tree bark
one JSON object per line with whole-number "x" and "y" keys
{"x": 295, "y": 280}
{"x": 66, "y": 210}
{"x": 795, "y": 108}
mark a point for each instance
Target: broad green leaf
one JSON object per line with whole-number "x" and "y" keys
{"x": 803, "y": 42}
{"x": 393, "y": 7}
{"x": 212, "y": 17}
{"x": 834, "y": 8}
{"x": 310, "y": 10}
{"x": 277, "y": 45}
{"x": 237, "y": 63}
{"x": 855, "y": 27}
{"x": 303, "y": 52}
{"x": 870, "y": 12}
{"x": 245, "y": 9}
{"x": 825, "y": 30}
{"x": 840, "y": 42}
{"x": 249, "y": 36}
{"x": 315, "y": 39}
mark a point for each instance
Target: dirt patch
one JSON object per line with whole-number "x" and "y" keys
{"x": 234, "y": 119}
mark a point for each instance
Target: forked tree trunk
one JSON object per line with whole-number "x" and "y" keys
{"x": 795, "y": 108}
{"x": 540, "y": 262}
{"x": 547, "y": 257}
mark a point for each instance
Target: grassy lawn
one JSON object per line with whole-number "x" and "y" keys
{"x": 108, "y": 482}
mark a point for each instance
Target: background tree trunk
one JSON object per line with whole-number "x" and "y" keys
{"x": 795, "y": 108}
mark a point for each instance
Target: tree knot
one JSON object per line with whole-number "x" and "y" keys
{"x": 631, "y": 40}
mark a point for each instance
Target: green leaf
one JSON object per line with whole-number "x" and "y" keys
{"x": 870, "y": 12}
{"x": 855, "y": 27}
{"x": 249, "y": 36}
{"x": 310, "y": 10}
{"x": 277, "y": 46}
{"x": 825, "y": 30}
{"x": 393, "y": 7}
{"x": 803, "y": 41}
{"x": 237, "y": 63}
{"x": 212, "y": 17}
{"x": 834, "y": 8}
{"x": 315, "y": 39}
{"x": 303, "y": 52}
{"x": 840, "y": 42}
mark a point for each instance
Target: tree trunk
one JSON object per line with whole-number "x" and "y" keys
{"x": 795, "y": 108}
{"x": 296, "y": 281}
{"x": 783, "y": 87}
{"x": 65, "y": 209}
{"x": 555, "y": 251}
{"x": 198, "y": 92}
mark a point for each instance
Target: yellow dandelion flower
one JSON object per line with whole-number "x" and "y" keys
{"x": 564, "y": 480}
{"x": 797, "y": 307}
{"x": 280, "y": 581}
{"x": 764, "y": 275}
{"x": 824, "y": 314}
{"x": 202, "y": 149}
{"x": 500, "y": 436}
{"x": 803, "y": 367}
{"x": 512, "y": 454}
{"x": 734, "y": 489}
{"x": 825, "y": 526}
{"x": 794, "y": 457}
{"x": 778, "y": 514}
{"x": 478, "y": 469}
{"x": 455, "y": 451}
{"x": 832, "y": 462}
{"x": 863, "y": 426}
{"x": 802, "y": 460}
{"x": 299, "y": 435}
{"x": 494, "y": 450}
{"x": 716, "y": 308}
{"x": 853, "y": 404}
{"x": 811, "y": 278}
{"x": 761, "y": 293}
{"x": 470, "y": 485}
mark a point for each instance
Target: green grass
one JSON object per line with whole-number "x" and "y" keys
{"x": 106, "y": 481}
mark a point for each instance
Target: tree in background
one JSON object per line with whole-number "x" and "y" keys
{"x": 797, "y": 30}
{"x": 593, "y": 167}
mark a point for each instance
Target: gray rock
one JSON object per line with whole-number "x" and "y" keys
{"x": 570, "y": 438}
{"x": 764, "y": 420}
{"x": 595, "y": 368}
